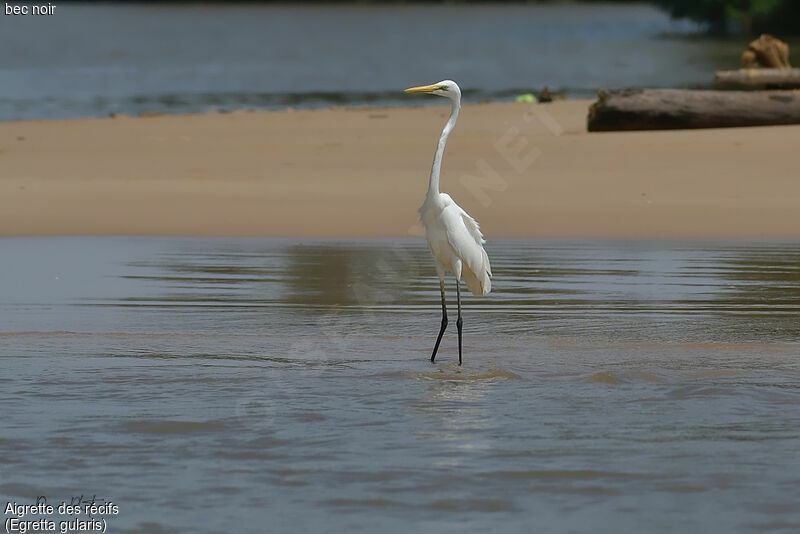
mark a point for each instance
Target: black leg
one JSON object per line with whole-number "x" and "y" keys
{"x": 459, "y": 322}
{"x": 444, "y": 322}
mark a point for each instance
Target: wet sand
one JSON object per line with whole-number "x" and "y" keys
{"x": 522, "y": 170}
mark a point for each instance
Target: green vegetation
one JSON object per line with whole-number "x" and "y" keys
{"x": 746, "y": 16}
{"x": 780, "y": 17}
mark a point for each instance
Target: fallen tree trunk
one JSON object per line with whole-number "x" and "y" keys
{"x": 759, "y": 77}
{"x": 673, "y": 109}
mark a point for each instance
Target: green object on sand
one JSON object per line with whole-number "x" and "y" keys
{"x": 527, "y": 98}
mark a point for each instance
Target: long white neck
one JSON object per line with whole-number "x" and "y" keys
{"x": 433, "y": 185}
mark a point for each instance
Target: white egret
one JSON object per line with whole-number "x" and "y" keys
{"x": 454, "y": 237}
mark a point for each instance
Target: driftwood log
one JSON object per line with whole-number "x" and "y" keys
{"x": 673, "y": 109}
{"x": 788, "y": 78}
{"x": 765, "y": 63}
{"x": 767, "y": 52}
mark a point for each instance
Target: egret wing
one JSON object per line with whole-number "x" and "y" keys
{"x": 465, "y": 238}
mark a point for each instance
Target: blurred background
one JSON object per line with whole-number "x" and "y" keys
{"x": 96, "y": 59}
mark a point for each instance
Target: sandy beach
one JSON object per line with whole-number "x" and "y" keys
{"x": 520, "y": 169}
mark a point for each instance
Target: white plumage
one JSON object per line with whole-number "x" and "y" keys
{"x": 456, "y": 242}
{"x": 454, "y": 237}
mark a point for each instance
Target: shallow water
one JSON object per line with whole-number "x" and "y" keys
{"x": 205, "y": 383}
{"x": 95, "y": 59}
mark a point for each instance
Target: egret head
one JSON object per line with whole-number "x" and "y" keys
{"x": 446, "y": 88}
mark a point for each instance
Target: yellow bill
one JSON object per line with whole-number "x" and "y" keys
{"x": 423, "y": 88}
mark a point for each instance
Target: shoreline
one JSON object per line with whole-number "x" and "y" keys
{"x": 522, "y": 170}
